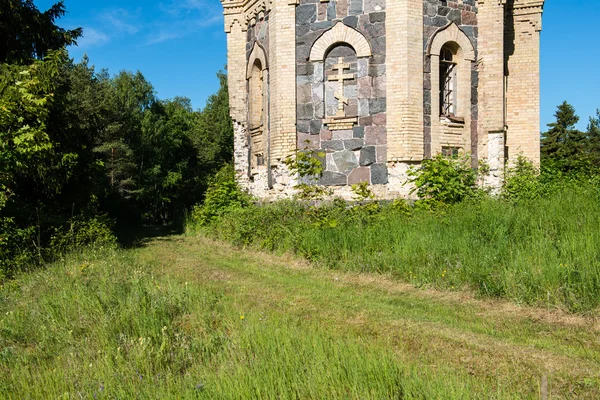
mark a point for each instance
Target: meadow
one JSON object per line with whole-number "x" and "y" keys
{"x": 541, "y": 250}
{"x": 190, "y": 317}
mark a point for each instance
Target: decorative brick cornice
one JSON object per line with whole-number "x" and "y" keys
{"x": 247, "y": 12}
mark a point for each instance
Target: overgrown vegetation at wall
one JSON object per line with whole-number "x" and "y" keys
{"x": 535, "y": 244}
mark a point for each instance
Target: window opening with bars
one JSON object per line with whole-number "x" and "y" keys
{"x": 447, "y": 83}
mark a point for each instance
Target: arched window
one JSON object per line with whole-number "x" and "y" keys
{"x": 448, "y": 82}
{"x": 258, "y": 131}
{"x": 256, "y": 95}
{"x": 452, "y": 58}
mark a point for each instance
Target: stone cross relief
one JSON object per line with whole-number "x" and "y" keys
{"x": 340, "y": 77}
{"x": 340, "y": 121}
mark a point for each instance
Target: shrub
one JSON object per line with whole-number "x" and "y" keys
{"x": 82, "y": 232}
{"x": 23, "y": 247}
{"x": 223, "y": 195}
{"x": 444, "y": 180}
{"x": 307, "y": 165}
{"x": 521, "y": 181}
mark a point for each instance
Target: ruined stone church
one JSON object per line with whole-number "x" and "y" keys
{"x": 380, "y": 85}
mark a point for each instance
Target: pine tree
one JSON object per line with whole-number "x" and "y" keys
{"x": 563, "y": 144}
{"x": 593, "y": 135}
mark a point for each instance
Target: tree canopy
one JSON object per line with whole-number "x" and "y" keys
{"x": 29, "y": 34}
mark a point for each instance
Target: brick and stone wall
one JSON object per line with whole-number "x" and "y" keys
{"x": 372, "y": 104}
{"x": 356, "y": 154}
{"x": 438, "y": 14}
{"x": 259, "y": 32}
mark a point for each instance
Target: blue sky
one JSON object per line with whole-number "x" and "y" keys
{"x": 179, "y": 45}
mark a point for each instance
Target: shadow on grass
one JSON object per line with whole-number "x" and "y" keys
{"x": 132, "y": 236}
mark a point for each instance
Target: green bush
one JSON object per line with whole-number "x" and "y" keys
{"x": 25, "y": 247}
{"x": 444, "y": 180}
{"x": 222, "y": 196}
{"x": 522, "y": 181}
{"x": 82, "y": 232}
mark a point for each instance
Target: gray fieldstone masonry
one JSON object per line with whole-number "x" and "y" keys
{"x": 351, "y": 153}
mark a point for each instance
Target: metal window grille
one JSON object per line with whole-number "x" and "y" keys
{"x": 447, "y": 83}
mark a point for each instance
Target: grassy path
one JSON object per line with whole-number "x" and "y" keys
{"x": 495, "y": 344}
{"x": 206, "y": 320}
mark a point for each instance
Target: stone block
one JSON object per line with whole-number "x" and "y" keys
{"x": 306, "y": 141}
{"x": 379, "y": 174}
{"x": 331, "y": 178}
{"x": 315, "y": 126}
{"x": 377, "y": 17}
{"x": 306, "y": 14}
{"x": 302, "y": 30}
{"x": 378, "y": 45}
{"x": 341, "y": 8}
{"x": 380, "y": 119}
{"x": 371, "y": 6}
{"x": 377, "y": 70}
{"x": 350, "y": 91}
{"x": 329, "y": 163}
{"x": 304, "y": 94}
{"x": 379, "y": 88}
{"x": 364, "y": 88}
{"x": 381, "y": 154}
{"x": 345, "y": 160}
{"x": 355, "y": 7}
{"x": 374, "y": 30}
{"x": 321, "y": 25}
{"x": 368, "y": 156}
{"x": 305, "y": 111}
{"x": 351, "y": 21}
{"x": 318, "y": 72}
{"x": 377, "y": 105}
{"x": 353, "y": 144}
{"x": 358, "y": 132}
{"x": 342, "y": 134}
{"x": 351, "y": 109}
{"x": 303, "y": 126}
{"x": 331, "y": 10}
{"x": 375, "y": 135}
{"x": 304, "y": 69}
{"x": 359, "y": 175}
{"x": 363, "y": 108}
{"x": 326, "y": 134}
{"x": 365, "y": 121}
{"x": 332, "y": 145}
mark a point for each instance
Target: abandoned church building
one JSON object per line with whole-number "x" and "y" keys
{"x": 380, "y": 85}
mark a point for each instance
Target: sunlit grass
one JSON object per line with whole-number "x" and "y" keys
{"x": 544, "y": 252}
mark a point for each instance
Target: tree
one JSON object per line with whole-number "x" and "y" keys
{"x": 28, "y": 34}
{"x": 593, "y": 135}
{"x": 563, "y": 144}
{"x": 213, "y": 136}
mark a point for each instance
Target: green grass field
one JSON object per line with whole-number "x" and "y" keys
{"x": 187, "y": 317}
{"x": 544, "y": 252}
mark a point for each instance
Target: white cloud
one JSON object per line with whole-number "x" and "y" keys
{"x": 121, "y": 20}
{"x": 92, "y": 37}
{"x": 185, "y": 17}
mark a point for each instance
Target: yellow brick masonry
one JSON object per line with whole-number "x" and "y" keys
{"x": 282, "y": 62}
{"x": 522, "y": 45}
{"x": 404, "y": 69}
{"x": 491, "y": 71}
{"x": 236, "y": 71}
